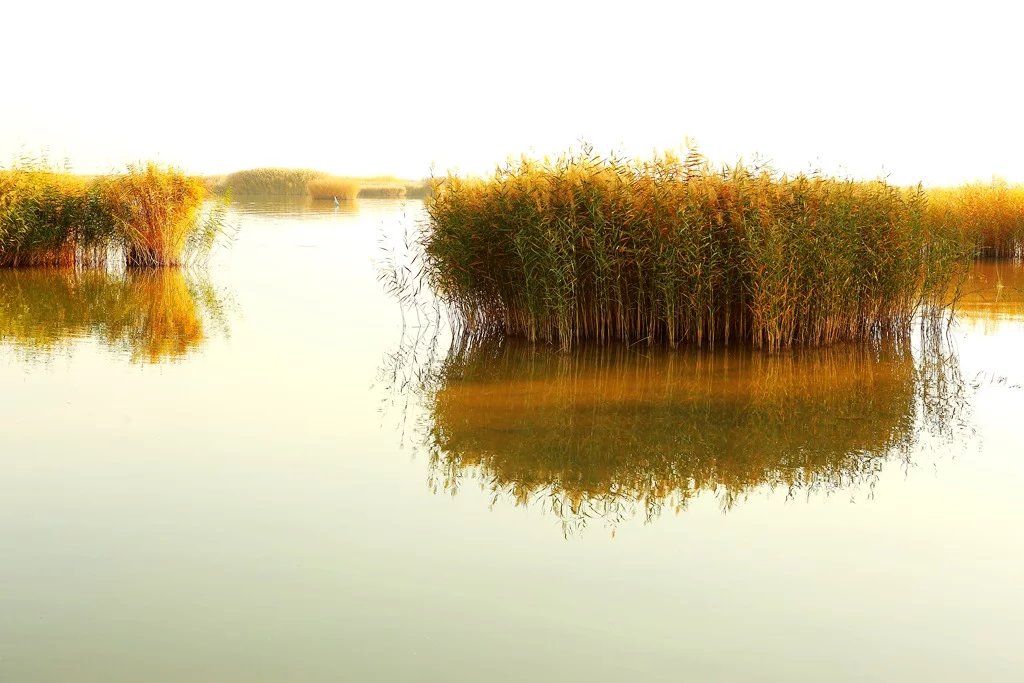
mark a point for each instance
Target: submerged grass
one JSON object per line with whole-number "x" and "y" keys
{"x": 673, "y": 250}
{"x": 149, "y": 216}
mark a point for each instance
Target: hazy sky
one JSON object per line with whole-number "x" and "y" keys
{"x": 919, "y": 91}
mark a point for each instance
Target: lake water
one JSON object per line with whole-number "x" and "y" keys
{"x": 256, "y": 473}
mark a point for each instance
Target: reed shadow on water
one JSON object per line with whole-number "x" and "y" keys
{"x": 603, "y": 433}
{"x": 153, "y": 315}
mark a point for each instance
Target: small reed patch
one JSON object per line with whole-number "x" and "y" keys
{"x": 149, "y": 216}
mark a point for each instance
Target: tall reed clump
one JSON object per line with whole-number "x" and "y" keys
{"x": 150, "y": 216}
{"x": 293, "y": 182}
{"x": 677, "y": 251}
{"x": 154, "y": 211}
{"x": 48, "y": 218}
{"x": 334, "y": 187}
{"x": 991, "y": 216}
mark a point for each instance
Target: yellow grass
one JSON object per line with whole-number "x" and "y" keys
{"x": 154, "y": 211}
{"x": 334, "y": 187}
{"x": 150, "y": 213}
{"x": 299, "y": 182}
{"x": 675, "y": 250}
{"x": 382, "y": 191}
{"x": 990, "y": 215}
{"x": 266, "y": 181}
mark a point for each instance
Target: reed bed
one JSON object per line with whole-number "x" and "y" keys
{"x": 382, "y": 191}
{"x": 673, "y": 250}
{"x": 418, "y": 189}
{"x": 148, "y": 216}
{"x": 334, "y": 187}
{"x": 392, "y": 187}
{"x": 316, "y": 184}
{"x": 48, "y": 218}
{"x": 292, "y": 182}
{"x": 989, "y": 216}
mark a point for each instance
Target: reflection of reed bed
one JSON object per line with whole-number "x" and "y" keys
{"x": 599, "y": 430}
{"x": 994, "y": 291}
{"x": 153, "y": 314}
{"x": 150, "y": 216}
{"x": 673, "y": 250}
{"x": 279, "y": 206}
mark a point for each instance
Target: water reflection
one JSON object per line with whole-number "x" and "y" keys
{"x": 303, "y": 208}
{"x": 994, "y": 292}
{"x": 152, "y": 315}
{"x": 609, "y": 432}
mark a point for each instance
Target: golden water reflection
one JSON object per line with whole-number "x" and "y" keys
{"x": 153, "y": 315}
{"x": 993, "y": 293}
{"x": 297, "y": 208}
{"x": 606, "y": 432}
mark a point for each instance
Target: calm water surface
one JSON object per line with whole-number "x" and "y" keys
{"x": 254, "y": 474}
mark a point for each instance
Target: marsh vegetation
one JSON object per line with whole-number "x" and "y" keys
{"x": 674, "y": 250}
{"x": 987, "y": 216}
{"x": 292, "y": 182}
{"x": 148, "y": 216}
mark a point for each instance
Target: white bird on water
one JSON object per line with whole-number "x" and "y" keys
{"x": 336, "y": 202}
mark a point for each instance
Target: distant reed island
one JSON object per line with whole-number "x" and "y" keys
{"x": 673, "y": 251}
{"x": 301, "y": 182}
{"x": 148, "y": 216}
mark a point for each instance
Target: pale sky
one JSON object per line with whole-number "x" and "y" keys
{"x": 917, "y": 91}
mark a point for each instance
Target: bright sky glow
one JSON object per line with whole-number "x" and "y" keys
{"x": 917, "y": 91}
